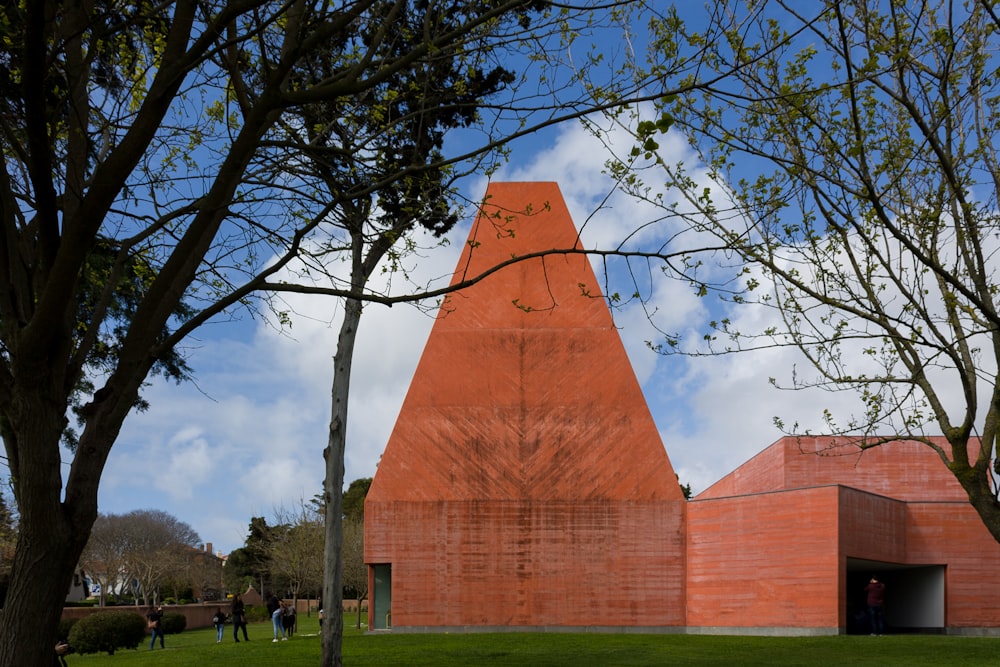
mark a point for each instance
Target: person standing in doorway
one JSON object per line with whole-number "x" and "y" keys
{"x": 875, "y": 591}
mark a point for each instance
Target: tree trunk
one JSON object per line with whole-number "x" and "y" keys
{"x": 333, "y": 488}
{"x": 975, "y": 478}
{"x": 51, "y": 534}
{"x": 36, "y": 596}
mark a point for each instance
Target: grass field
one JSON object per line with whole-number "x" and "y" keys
{"x": 197, "y": 648}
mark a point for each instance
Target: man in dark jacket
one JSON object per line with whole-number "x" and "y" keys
{"x": 155, "y": 618}
{"x": 239, "y": 616}
{"x": 875, "y": 590}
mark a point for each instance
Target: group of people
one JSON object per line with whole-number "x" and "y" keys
{"x": 282, "y": 618}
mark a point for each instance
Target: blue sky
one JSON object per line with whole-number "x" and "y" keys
{"x": 246, "y": 438}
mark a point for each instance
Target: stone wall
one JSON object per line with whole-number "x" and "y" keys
{"x": 198, "y": 615}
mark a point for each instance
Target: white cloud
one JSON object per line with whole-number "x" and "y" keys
{"x": 188, "y": 464}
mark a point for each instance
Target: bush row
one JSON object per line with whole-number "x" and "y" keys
{"x": 112, "y": 630}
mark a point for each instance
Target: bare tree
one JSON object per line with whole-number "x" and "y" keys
{"x": 103, "y": 559}
{"x": 295, "y": 552}
{"x": 152, "y": 546}
{"x": 850, "y": 166}
{"x": 355, "y": 568}
{"x": 205, "y": 572}
{"x": 143, "y": 546}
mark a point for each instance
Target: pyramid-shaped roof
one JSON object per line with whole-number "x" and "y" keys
{"x": 524, "y": 390}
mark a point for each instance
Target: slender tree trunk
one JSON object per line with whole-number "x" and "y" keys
{"x": 333, "y": 488}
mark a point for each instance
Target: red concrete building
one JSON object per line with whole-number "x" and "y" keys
{"x": 787, "y": 542}
{"x": 525, "y": 484}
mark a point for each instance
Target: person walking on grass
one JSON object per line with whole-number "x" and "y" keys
{"x": 219, "y": 621}
{"x": 155, "y": 624}
{"x": 239, "y": 616}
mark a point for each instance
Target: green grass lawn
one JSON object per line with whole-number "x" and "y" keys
{"x": 197, "y": 648}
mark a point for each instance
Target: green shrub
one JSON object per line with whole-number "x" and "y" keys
{"x": 173, "y": 623}
{"x": 108, "y": 631}
{"x": 257, "y": 613}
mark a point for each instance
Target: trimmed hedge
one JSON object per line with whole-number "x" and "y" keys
{"x": 173, "y": 623}
{"x": 256, "y": 613}
{"x": 107, "y": 631}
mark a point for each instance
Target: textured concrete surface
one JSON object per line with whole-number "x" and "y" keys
{"x": 525, "y": 482}
{"x": 770, "y": 543}
{"x": 525, "y": 485}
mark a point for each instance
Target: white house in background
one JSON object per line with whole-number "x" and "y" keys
{"x": 79, "y": 589}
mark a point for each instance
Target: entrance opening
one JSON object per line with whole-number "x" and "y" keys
{"x": 381, "y": 615}
{"x": 914, "y": 596}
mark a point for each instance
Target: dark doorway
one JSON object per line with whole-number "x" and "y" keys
{"x": 381, "y": 613}
{"x": 914, "y": 596}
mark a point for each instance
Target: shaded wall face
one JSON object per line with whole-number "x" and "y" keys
{"x": 872, "y": 527}
{"x": 529, "y": 563}
{"x": 764, "y": 561}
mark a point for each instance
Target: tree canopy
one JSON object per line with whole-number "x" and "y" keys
{"x": 354, "y": 499}
{"x": 846, "y": 157}
{"x": 150, "y": 184}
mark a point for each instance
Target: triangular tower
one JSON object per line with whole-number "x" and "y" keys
{"x": 525, "y": 483}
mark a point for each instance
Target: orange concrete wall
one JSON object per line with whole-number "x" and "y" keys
{"x": 529, "y": 563}
{"x": 764, "y": 561}
{"x": 901, "y": 470}
{"x": 953, "y": 534}
{"x": 525, "y": 482}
